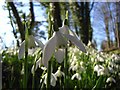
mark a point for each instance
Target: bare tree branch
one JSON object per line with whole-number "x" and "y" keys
{"x": 32, "y": 18}
{"x": 18, "y": 20}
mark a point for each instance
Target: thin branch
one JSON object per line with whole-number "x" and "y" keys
{"x": 32, "y": 17}
{"x": 11, "y": 21}
{"x": 91, "y": 7}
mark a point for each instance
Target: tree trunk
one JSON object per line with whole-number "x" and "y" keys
{"x": 85, "y": 22}
{"x": 107, "y": 34}
{"x": 56, "y": 13}
{"x": 118, "y": 23}
{"x": 18, "y": 20}
{"x": 32, "y": 18}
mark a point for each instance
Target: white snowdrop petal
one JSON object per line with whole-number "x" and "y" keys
{"x": 53, "y": 80}
{"x": 59, "y": 55}
{"x": 35, "y": 66}
{"x": 96, "y": 68}
{"x": 40, "y": 44}
{"x": 60, "y": 40}
{"x": 48, "y": 50}
{"x": 110, "y": 79}
{"x": 72, "y": 33}
{"x": 76, "y": 41}
{"x": 64, "y": 29}
{"x": 21, "y": 50}
{"x": 32, "y": 70}
{"x": 45, "y": 78}
{"x": 77, "y": 75}
{"x": 59, "y": 73}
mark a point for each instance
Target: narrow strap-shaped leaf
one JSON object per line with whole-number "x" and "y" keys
{"x": 21, "y": 50}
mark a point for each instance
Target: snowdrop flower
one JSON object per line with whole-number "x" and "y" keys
{"x": 34, "y": 67}
{"x": 32, "y": 42}
{"x": 110, "y": 79}
{"x": 110, "y": 69}
{"x": 59, "y": 40}
{"x": 74, "y": 66}
{"x": 59, "y": 73}
{"x": 77, "y": 76}
{"x": 98, "y": 67}
{"x": 100, "y": 59}
{"x": 53, "y": 79}
{"x": 101, "y": 70}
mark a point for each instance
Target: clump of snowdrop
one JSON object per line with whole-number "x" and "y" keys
{"x": 114, "y": 64}
{"x": 32, "y": 43}
{"x": 101, "y": 70}
{"x": 77, "y": 66}
{"x": 116, "y": 58}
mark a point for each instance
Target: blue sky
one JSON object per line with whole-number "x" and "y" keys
{"x": 5, "y": 28}
{"x": 8, "y": 37}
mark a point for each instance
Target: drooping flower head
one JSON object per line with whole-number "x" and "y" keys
{"x": 60, "y": 38}
{"x": 32, "y": 42}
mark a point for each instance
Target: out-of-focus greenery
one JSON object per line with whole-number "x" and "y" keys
{"x": 91, "y": 70}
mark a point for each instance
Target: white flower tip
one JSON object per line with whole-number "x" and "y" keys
{"x": 45, "y": 63}
{"x": 21, "y": 50}
{"x": 59, "y": 55}
{"x": 84, "y": 50}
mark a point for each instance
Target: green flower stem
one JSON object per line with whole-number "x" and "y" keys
{"x": 65, "y": 69}
{"x": 49, "y": 35}
{"x": 33, "y": 81}
{"x": 48, "y": 75}
{"x": 66, "y": 56}
{"x": 33, "y": 78}
{"x": 26, "y": 57}
{"x": 60, "y": 83}
{"x": 50, "y": 25}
